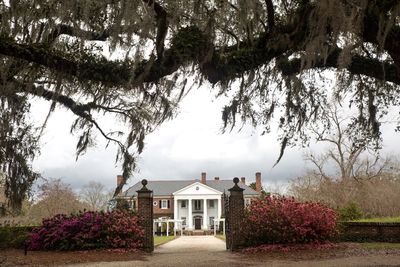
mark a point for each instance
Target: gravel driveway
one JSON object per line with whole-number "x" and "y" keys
{"x": 210, "y": 251}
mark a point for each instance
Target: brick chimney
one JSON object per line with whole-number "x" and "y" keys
{"x": 120, "y": 178}
{"x": 203, "y": 177}
{"x": 258, "y": 182}
{"x": 216, "y": 178}
{"x": 243, "y": 179}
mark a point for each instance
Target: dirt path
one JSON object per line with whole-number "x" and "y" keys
{"x": 210, "y": 251}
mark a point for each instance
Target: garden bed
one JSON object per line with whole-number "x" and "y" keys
{"x": 340, "y": 250}
{"x": 16, "y": 257}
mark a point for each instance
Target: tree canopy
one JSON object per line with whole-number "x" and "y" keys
{"x": 132, "y": 59}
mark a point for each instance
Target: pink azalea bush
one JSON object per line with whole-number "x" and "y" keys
{"x": 280, "y": 220}
{"x": 88, "y": 230}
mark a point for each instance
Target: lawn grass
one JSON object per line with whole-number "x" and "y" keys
{"x": 158, "y": 240}
{"x": 380, "y": 245}
{"x": 382, "y": 220}
{"x": 222, "y": 237}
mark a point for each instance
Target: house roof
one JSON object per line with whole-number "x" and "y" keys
{"x": 167, "y": 187}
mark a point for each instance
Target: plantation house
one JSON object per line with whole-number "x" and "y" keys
{"x": 196, "y": 202}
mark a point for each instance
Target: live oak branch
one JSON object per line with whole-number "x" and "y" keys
{"x": 54, "y": 50}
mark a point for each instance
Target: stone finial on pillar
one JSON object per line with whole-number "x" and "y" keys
{"x": 145, "y": 213}
{"x": 236, "y": 213}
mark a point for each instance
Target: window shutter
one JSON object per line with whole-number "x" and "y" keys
{"x": 159, "y": 202}
{"x": 168, "y": 204}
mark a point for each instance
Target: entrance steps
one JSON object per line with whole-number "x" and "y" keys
{"x": 198, "y": 232}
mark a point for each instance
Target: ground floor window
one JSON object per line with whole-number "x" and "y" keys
{"x": 183, "y": 220}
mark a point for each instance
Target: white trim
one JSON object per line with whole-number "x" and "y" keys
{"x": 196, "y": 184}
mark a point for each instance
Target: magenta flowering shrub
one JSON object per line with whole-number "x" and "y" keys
{"x": 280, "y": 220}
{"x": 88, "y": 230}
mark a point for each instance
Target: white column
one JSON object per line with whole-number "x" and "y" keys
{"x": 176, "y": 217}
{"x": 215, "y": 227}
{"x": 190, "y": 215}
{"x": 167, "y": 228}
{"x": 219, "y": 210}
{"x": 205, "y": 215}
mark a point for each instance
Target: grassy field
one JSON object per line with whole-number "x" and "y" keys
{"x": 222, "y": 237}
{"x": 380, "y": 245}
{"x": 158, "y": 240}
{"x": 383, "y": 220}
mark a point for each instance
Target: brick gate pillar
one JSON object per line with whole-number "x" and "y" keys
{"x": 145, "y": 213}
{"x": 236, "y": 213}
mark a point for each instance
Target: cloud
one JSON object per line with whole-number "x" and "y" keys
{"x": 179, "y": 149}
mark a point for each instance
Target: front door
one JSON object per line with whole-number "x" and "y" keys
{"x": 197, "y": 223}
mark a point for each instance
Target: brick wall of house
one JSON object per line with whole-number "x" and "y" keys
{"x": 159, "y": 212}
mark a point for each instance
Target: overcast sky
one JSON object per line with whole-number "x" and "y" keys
{"x": 180, "y": 149}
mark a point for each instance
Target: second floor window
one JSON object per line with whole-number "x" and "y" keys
{"x": 183, "y": 203}
{"x": 164, "y": 204}
{"x": 197, "y": 204}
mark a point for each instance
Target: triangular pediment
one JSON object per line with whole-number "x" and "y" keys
{"x": 196, "y": 188}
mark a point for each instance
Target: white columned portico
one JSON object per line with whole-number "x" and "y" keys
{"x": 190, "y": 215}
{"x": 205, "y": 216}
{"x": 203, "y": 194}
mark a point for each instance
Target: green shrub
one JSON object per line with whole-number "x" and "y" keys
{"x": 350, "y": 212}
{"x": 14, "y": 236}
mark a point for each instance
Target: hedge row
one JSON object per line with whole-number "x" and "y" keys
{"x": 369, "y": 232}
